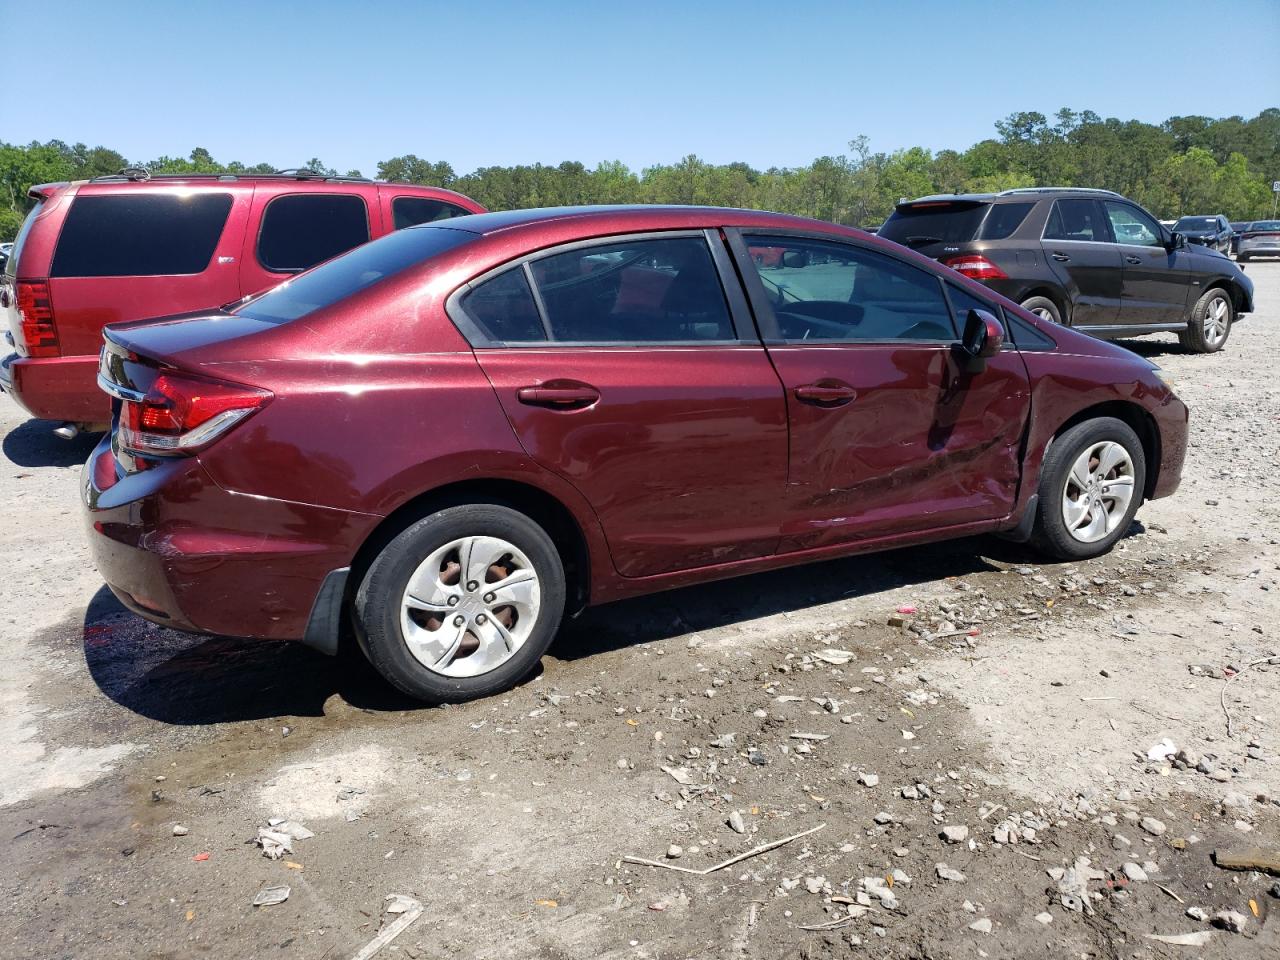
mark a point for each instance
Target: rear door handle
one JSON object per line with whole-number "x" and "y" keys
{"x": 558, "y": 397}
{"x": 1061, "y": 257}
{"x": 826, "y": 394}
{"x": 1132, "y": 259}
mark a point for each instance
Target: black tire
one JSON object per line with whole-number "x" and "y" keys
{"x": 1050, "y": 534}
{"x": 377, "y": 607}
{"x": 1194, "y": 337}
{"x": 1035, "y": 304}
{"x": 1242, "y": 258}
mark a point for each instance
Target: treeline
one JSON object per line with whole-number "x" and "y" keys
{"x": 1185, "y": 165}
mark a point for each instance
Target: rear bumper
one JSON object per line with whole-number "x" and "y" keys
{"x": 56, "y": 388}
{"x": 179, "y": 550}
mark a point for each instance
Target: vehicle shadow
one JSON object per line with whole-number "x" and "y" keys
{"x": 182, "y": 679}
{"x": 1153, "y": 348}
{"x": 33, "y": 444}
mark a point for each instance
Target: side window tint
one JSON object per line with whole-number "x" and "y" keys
{"x": 1026, "y": 336}
{"x": 638, "y": 291}
{"x": 1075, "y": 220}
{"x": 1132, "y": 226}
{"x": 140, "y": 235}
{"x": 410, "y": 211}
{"x": 504, "y": 310}
{"x": 823, "y": 292}
{"x": 1004, "y": 218}
{"x": 300, "y": 230}
{"x": 962, "y": 301}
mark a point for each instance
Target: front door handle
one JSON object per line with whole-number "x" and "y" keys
{"x": 1061, "y": 257}
{"x": 826, "y": 394}
{"x": 1133, "y": 260}
{"x": 559, "y": 396}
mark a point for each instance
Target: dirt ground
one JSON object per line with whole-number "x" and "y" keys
{"x": 1019, "y": 701}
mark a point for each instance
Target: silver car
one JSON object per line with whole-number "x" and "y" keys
{"x": 1259, "y": 239}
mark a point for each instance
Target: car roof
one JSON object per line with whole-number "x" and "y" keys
{"x": 633, "y": 217}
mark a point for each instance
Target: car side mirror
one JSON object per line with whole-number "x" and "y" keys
{"x": 1175, "y": 241}
{"x": 983, "y": 335}
{"x": 795, "y": 258}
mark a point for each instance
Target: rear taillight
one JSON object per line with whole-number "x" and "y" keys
{"x": 181, "y": 413}
{"x": 35, "y": 313}
{"x": 976, "y": 267}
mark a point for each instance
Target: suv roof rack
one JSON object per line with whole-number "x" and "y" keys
{"x": 142, "y": 175}
{"x": 1092, "y": 190}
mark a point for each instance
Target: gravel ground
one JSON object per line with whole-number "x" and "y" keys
{"x": 957, "y": 767}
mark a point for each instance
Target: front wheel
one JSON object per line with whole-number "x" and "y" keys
{"x": 1091, "y": 484}
{"x": 1210, "y": 323}
{"x": 462, "y": 604}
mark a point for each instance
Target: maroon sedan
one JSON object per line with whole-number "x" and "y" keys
{"x": 458, "y": 433}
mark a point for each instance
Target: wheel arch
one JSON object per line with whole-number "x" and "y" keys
{"x": 1138, "y": 419}
{"x": 1240, "y": 302}
{"x": 540, "y": 506}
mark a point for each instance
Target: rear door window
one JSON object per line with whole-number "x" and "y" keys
{"x": 140, "y": 235}
{"x": 504, "y": 309}
{"x": 300, "y": 230}
{"x": 1076, "y": 219}
{"x": 1003, "y": 219}
{"x": 411, "y": 211}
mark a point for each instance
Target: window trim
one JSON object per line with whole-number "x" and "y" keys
{"x": 735, "y": 302}
{"x": 262, "y": 220}
{"x": 762, "y": 309}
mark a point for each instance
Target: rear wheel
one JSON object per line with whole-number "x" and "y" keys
{"x": 1090, "y": 487}
{"x": 462, "y": 604}
{"x": 1044, "y": 308}
{"x": 1210, "y": 322}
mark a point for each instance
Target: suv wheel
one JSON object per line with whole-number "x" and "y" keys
{"x": 1210, "y": 322}
{"x": 1044, "y": 308}
{"x": 1090, "y": 487}
{"x": 462, "y": 604}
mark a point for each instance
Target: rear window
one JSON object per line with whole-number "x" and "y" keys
{"x": 11, "y": 265}
{"x": 301, "y": 230}
{"x": 1003, "y": 219}
{"x": 349, "y": 274}
{"x": 140, "y": 235}
{"x": 411, "y": 211}
{"x": 1259, "y": 225}
{"x": 919, "y": 226}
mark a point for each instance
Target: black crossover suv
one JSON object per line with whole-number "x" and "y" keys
{"x": 1090, "y": 259}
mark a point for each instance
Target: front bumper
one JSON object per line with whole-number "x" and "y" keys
{"x": 56, "y": 388}
{"x": 181, "y": 551}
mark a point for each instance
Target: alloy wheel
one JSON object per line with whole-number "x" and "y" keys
{"x": 470, "y": 606}
{"x": 1217, "y": 321}
{"x": 1098, "y": 491}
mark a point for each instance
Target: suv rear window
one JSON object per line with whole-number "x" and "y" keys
{"x": 410, "y": 211}
{"x": 925, "y": 224}
{"x": 300, "y": 230}
{"x": 346, "y": 275}
{"x": 140, "y": 235}
{"x": 1003, "y": 219}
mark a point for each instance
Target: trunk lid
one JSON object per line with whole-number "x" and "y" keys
{"x": 189, "y": 339}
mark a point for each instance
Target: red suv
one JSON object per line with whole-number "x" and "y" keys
{"x": 459, "y": 432}
{"x": 134, "y": 245}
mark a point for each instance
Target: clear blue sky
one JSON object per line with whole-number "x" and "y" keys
{"x": 479, "y": 83}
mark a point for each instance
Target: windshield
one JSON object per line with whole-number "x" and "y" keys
{"x": 1190, "y": 224}
{"x": 927, "y": 223}
{"x": 352, "y": 272}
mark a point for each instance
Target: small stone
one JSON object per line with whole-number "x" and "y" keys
{"x": 760, "y": 714}
{"x": 883, "y": 818}
{"x": 982, "y": 926}
{"x": 1153, "y": 826}
{"x": 1275, "y": 890}
{"x": 1134, "y": 872}
{"x": 1120, "y": 842}
{"x": 949, "y": 873}
{"x": 910, "y": 793}
{"x": 1230, "y": 920}
{"x": 1046, "y": 918}
{"x": 868, "y": 779}
{"x": 815, "y": 884}
{"x": 1221, "y": 774}
{"x": 179, "y": 830}
{"x": 956, "y": 834}
{"x": 1198, "y": 913}
{"x": 622, "y": 763}
{"x": 675, "y": 851}
{"x": 736, "y": 823}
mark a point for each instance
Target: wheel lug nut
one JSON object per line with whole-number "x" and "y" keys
{"x": 490, "y": 597}
{"x": 481, "y": 618}
{"x": 459, "y": 621}
{"x": 473, "y": 585}
{"x": 453, "y": 601}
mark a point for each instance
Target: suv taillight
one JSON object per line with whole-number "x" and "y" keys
{"x": 976, "y": 267}
{"x": 35, "y": 313}
{"x": 181, "y": 413}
